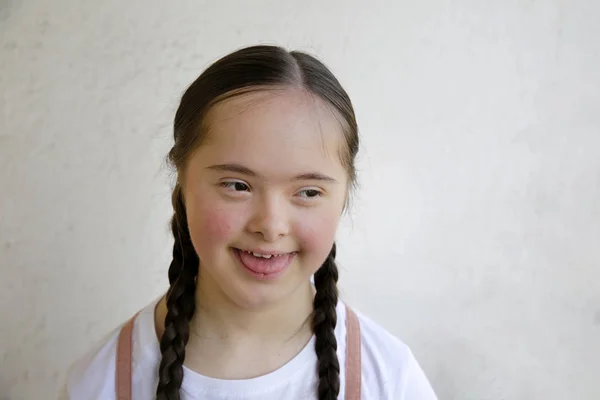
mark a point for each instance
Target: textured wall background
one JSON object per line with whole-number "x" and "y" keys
{"x": 474, "y": 237}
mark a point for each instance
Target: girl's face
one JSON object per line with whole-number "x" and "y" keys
{"x": 267, "y": 179}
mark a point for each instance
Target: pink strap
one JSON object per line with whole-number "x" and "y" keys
{"x": 124, "y": 360}
{"x": 353, "y": 363}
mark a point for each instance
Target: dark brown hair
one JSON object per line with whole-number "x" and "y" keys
{"x": 249, "y": 69}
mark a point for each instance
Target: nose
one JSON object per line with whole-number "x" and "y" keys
{"x": 269, "y": 219}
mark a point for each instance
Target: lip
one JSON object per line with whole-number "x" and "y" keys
{"x": 266, "y": 252}
{"x": 262, "y": 276}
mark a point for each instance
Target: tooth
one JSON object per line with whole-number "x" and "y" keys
{"x": 261, "y": 255}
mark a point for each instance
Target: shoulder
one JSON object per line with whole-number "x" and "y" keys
{"x": 389, "y": 365}
{"x": 93, "y": 375}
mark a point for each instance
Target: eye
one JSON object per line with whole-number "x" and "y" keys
{"x": 236, "y": 186}
{"x": 310, "y": 193}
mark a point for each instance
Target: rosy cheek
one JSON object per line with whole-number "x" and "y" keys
{"x": 212, "y": 226}
{"x": 316, "y": 234}
{"x": 218, "y": 225}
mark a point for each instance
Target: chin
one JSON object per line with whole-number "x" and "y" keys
{"x": 246, "y": 290}
{"x": 256, "y": 297}
{"x": 252, "y": 295}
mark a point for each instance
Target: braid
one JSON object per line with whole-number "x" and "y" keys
{"x": 180, "y": 304}
{"x": 324, "y": 321}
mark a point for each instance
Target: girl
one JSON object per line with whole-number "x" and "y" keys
{"x": 265, "y": 143}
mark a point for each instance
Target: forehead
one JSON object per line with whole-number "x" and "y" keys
{"x": 274, "y": 132}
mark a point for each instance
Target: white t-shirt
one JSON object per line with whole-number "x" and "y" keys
{"x": 389, "y": 370}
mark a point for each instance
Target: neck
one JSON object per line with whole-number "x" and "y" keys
{"x": 226, "y": 338}
{"x": 218, "y": 317}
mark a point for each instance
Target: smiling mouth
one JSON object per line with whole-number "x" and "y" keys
{"x": 264, "y": 266}
{"x": 264, "y": 255}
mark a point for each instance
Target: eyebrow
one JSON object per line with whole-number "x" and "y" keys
{"x": 240, "y": 169}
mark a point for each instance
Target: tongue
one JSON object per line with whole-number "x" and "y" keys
{"x": 265, "y": 265}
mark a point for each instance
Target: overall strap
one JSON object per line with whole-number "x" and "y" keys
{"x": 353, "y": 364}
{"x": 124, "y": 360}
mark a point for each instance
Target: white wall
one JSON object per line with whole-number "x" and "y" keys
{"x": 474, "y": 235}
